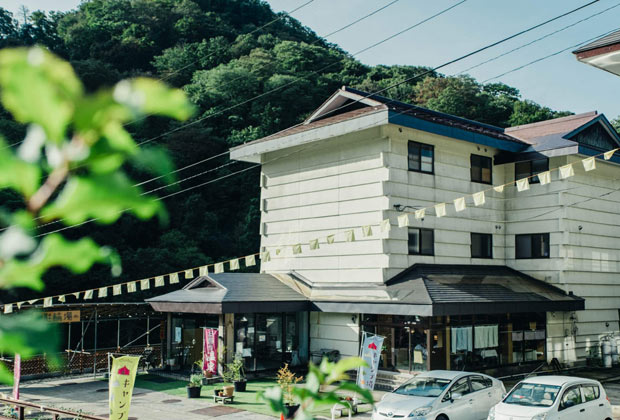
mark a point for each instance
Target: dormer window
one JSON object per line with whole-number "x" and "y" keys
{"x": 421, "y": 157}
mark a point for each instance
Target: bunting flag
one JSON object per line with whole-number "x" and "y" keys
{"x": 8, "y": 308}
{"x": 266, "y": 256}
{"x": 103, "y": 292}
{"x": 278, "y": 250}
{"x": 159, "y": 281}
{"x": 386, "y": 226}
{"x": 61, "y": 298}
{"x": 145, "y": 284}
{"x": 589, "y": 164}
{"x": 609, "y": 154}
{"x": 19, "y": 304}
{"x": 350, "y": 235}
{"x": 499, "y": 188}
{"x": 76, "y": 294}
{"x": 479, "y": 198}
{"x": 544, "y": 177}
{"x": 234, "y": 264}
{"x": 189, "y": 274}
{"x": 296, "y": 249}
{"x": 459, "y": 204}
{"x": 117, "y": 289}
{"x": 566, "y": 171}
{"x": 203, "y": 271}
{"x": 219, "y": 268}
{"x": 47, "y": 302}
{"x": 314, "y": 244}
{"x": 250, "y": 260}
{"x": 331, "y": 239}
{"x": 419, "y": 214}
{"x": 33, "y": 301}
{"x": 174, "y": 278}
{"x": 131, "y": 287}
{"x": 523, "y": 184}
{"x": 440, "y": 209}
{"x": 88, "y": 294}
{"x": 367, "y": 231}
{"x": 403, "y": 220}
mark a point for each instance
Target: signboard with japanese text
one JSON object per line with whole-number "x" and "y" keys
{"x": 63, "y": 316}
{"x": 210, "y": 350}
{"x": 122, "y": 378}
{"x": 370, "y": 353}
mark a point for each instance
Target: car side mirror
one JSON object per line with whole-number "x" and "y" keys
{"x": 455, "y": 396}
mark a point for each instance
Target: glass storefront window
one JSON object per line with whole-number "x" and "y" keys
{"x": 187, "y": 332}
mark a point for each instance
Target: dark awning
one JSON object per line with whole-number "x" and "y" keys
{"x": 435, "y": 289}
{"x": 232, "y": 293}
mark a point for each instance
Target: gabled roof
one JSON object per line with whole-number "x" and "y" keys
{"x": 562, "y": 126}
{"x": 611, "y": 39}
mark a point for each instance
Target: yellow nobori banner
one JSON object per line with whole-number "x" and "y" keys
{"x": 122, "y": 378}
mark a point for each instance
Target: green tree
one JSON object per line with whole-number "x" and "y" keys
{"x": 526, "y": 112}
{"x": 616, "y": 124}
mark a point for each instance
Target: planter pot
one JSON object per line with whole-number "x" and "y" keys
{"x": 229, "y": 390}
{"x": 193, "y": 391}
{"x": 291, "y": 409}
{"x": 208, "y": 374}
{"x": 240, "y": 385}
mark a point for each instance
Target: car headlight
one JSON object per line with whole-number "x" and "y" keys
{"x": 540, "y": 416}
{"x": 419, "y": 412}
{"x": 491, "y": 415}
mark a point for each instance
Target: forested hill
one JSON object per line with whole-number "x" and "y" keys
{"x": 205, "y": 46}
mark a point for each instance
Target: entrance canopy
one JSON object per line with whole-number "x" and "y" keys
{"x": 435, "y": 290}
{"x": 232, "y": 293}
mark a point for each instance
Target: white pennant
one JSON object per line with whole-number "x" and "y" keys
{"x": 33, "y": 301}
{"x": 266, "y": 256}
{"x": 367, "y": 231}
{"x": 145, "y": 284}
{"x": 76, "y": 294}
{"x": 544, "y": 177}
{"x": 296, "y": 249}
{"x": 314, "y": 244}
{"x": 331, "y": 239}
{"x": 403, "y": 220}
{"x": 609, "y": 154}
{"x": 159, "y": 281}
{"x": 479, "y": 198}
{"x": 250, "y": 260}
{"x": 523, "y": 184}
{"x": 234, "y": 264}
{"x": 204, "y": 270}
{"x": 117, "y": 289}
{"x": 174, "y": 278}
{"x": 88, "y": 294}
{"x": 189, "y": 274}
{"x": 8, "y": 308}
{"x": 419, "y": 214}
{"x": 350, "y": 235}
{"x": 103, "y": 292}
{"x": 61, "y": 298}
{"x": 589, "y": 164}
{"x": 47, "y": 302}
{"x": 499, "y": 188}
{"x": 459, "y": 204}
{"x": 131, "y": 287}
{"x": 566, "y": 171}
{"x": 19, "y": 304}
{"x": 386, "y": 226}
{"x": 219, "y": 268}
{"x": 440, "y": 209}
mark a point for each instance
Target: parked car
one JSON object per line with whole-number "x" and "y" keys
{"x": 441, "y": 395}
{"x": 554, "y": 398}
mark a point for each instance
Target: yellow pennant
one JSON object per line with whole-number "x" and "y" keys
{"x": 479, "y": 198}
{"x": 609, "y": 154}
{"x": 523, "y": 184}
{"x": 234, "y": 264}
{"x": 145, "y": 284}
{"x": 367, "y": 231}
{"x": 8, "y": 308}
{"x": 189, "y": 274}
{"x": 19, "y": 304}
{"x": 440, "y": 209}
{"x": 296, "y": 249}
{"x": 544, "y": 177}
{"x": 219, "y": 268}
{"x": 174, "y": 278}
{"x": 278, "y": 250}
{"x": 403, "y": 220}
{"x": 499, "y": 188}
{"x": 204, "y": 270}
{"x": 386, "y": 226}
{"x": 103, "y": 292}
{"x": 266, "y": 256}
{"x": 61, "y": 298}
{"x": 88, "y": 294}
{"x": 76, "y": 294}
{"x": 33, "y": 301}
{"x": 419, "y": 214}
{"x": 314, "y": 244}
{"x": 159, "y": 281}
{"x": 131, "y": 287}
{"x": 566, "y": 171}
{"x": 117, "y": 289}
{"x": 350, "y": 235}
{"x": 459, "y": 204}
{"x": 589, "y": 164}
{"x": 122, "y": 379}
{"x": 47, "y": 302}
{"x": 250, "y": 260}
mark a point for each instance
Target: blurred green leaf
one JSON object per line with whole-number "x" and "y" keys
{"x": 103, "y": 197}
{"x": 99, "y": 114}
{"x": 22, "y": 333}
{"x": 155, "y": 160}
{"x": 153, "y": 97}
{"x": 338, "y": 371}
{"x": 21, "y": 176}
{"x": 38, "y": 87}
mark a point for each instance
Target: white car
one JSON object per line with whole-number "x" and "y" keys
{"x": 554, "y": 398}
{"x": 441, "y": 395}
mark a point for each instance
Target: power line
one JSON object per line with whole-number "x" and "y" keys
{"x": 549, "y": 56}
{"x": 539, "y": 39}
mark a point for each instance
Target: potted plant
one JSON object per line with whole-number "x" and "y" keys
{"x": 228, "y": 388}
{"x": 286, "y": 380}
{"x": 237, "y": 374}
{"x": 194, "y": 386}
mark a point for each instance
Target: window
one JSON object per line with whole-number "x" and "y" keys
{"x": 421, "y": 242}
{"x": 421, "y": 157}
{"x": 461, "y": 387}
{"x": 535, "y": 245}
{"x": 481, "y": 169}
{"x": 479, "y": 383}
{"x": 481, "y": 245}
{"x": 591, "y": 392}
{"x": 531, "y": 167}
{"x": 571, "y": 398}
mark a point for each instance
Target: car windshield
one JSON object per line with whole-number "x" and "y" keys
{"x": 423, "y": 387}
{"x": 533, "y": 395}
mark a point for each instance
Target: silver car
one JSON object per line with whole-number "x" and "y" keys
{"x": 441, "y": 395}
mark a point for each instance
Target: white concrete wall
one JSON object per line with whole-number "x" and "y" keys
{"x": 334, "y": 331}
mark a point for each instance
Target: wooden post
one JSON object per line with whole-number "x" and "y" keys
{"x": 20, "y": 413}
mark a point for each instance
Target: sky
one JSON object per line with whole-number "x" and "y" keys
{"x": 559, "y": 82}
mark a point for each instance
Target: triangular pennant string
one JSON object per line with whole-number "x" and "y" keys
{"x": 145, "y": 284}
{"x": 234, "y": 264}
{"x": 440, "y": 209}
{"x": 131, "y": 287}
{"x": 8, "y": 308}
{"x": 250, "y": 260}
{"x": 403, "y": 220}
{"x": 609, "y": 154}
{"x": 189, "y": 274}
{"x": 219, "y": 268}
{"x": 499, "y": 188}
{"x": 88, "y": 294}
{"x": 459, "y": 204}
{"x": 102, "y": 292}
{"x": 278, "y": 250}
{"x": 47, "y": 302}
{"x": 367, "y": 231}
{"x": 266, "y": 256}
{"x": 174, "y": 278}
{"x": 567, "y": 171}
{"x": 544, "y": 177}
{"x": 61, "y": 298}
{"x": 331, "y": 239}
{"x": 33, "y": 301}
{"x": 314, "y": 244}
{"x": 159, "y": 281}
{"x": 386, "y": 226}
{"x": 479, "y": 198}
{"x": 589, "y": 164}
{"x": 419, "y": 214}
{"x": 76, "y": 294}
{"x": 117, "y": 289}
{"x": 350, "y": 235}
{"x": 296, "y": 249}
{"x": 19, "y": 304}
{"x": 523, "y": 184}
{"x": 204, "y": 270}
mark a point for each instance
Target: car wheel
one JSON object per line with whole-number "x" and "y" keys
{"x": 442, "y": 417}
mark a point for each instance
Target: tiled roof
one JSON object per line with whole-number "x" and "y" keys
{"x": 613, "y": 38}
{"x": 564, "y": 125}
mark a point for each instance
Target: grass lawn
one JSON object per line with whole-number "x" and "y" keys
{"x": 247, "y": 400}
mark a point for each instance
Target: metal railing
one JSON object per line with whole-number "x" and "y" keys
{"x": 57, "y": 413}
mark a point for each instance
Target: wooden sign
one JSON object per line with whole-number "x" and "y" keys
{"x": 63, "y": 316}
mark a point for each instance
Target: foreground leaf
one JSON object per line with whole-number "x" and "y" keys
{"x": 17, "y": 174}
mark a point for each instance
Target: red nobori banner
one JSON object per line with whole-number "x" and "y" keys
{"x": 209, "y": 351}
